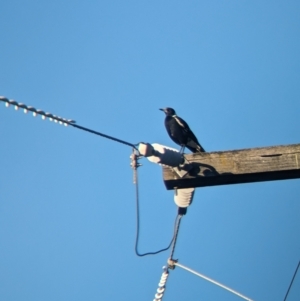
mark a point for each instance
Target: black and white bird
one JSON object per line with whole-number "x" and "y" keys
{"x": 180, "y": 132}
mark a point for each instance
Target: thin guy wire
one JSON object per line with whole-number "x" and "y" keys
{"x": 138, "y": 223}
{"x": 61, "y": 120}
{"x": 212, "y": 281}
{"x": 292, "y": 281}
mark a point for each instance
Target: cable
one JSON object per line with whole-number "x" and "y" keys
{"x": 61, "y": 120}
{"x": 104, "y": 135}
{"x": 292, "y": 281}
{"x": 178, "y": 217}
{"x": 134, "y": 164}
{"x": 171, "y": 263}
{"x": 178, "y": 220}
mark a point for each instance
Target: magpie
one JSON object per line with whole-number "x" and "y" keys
{"x": 180, "y": 132}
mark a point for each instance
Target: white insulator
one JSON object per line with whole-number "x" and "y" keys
{"x": 161, "y": 285}
{"x": 25, "y": 110}
{"x": 7, "y": 104}
{"x": 164, "y": 275}
{"x": 161, "y": 154}
{"x": 34, "y": 114}
{"x": 184, "y": 197}
{"x": 160, "y": 290}
{"x": 146, "y": 149}
{"x": 16, "y": 108}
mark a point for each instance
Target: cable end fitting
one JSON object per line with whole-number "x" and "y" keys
{"x": 171, "y": 263}
{"x": 182, "y": 211}
{"x": 134, "y": 160}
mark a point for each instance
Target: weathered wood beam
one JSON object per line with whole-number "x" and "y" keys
{"x": 235, "y": 167}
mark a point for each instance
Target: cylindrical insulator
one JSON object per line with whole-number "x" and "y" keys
{"x": 146, "y": 149}
{"x": 160, "y": 290}
{"x": 161, "y": 286}
{"x": 164, "y": 275}
{"x": 184, "y": 197}
{"x": 161, "y": 154}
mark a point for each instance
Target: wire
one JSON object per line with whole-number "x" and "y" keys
{"x": 162, "y": 284}
{"x": 61, "y": 120}
{"x": 104, "y": 135}
{"x": 178, "y": 217}
{"x": 212, "y": 281}
{"x": 134, "y": 163}
{"x": 178, "y": 220}
{"x": 292, "y": 281}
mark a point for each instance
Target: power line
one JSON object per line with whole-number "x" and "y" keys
{"x": 164, "y": 277}
{"x": 287, "y": 293}
{"x": 175, "y": 235}
{"x": 61, "y": 120}
{"x": 134, "y": 157}
{"x": 104, "y": 135}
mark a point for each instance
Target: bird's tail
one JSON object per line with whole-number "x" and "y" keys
{"x": 195, "y": 147}
{"x": 200, "y": 149}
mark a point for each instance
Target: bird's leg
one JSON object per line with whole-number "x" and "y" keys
{"x": 181, "y": 152}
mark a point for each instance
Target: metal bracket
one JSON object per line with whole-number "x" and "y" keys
{"x": 183, "y": 168}
{"x": 135, "y": 164}
{"x": 171, "y": 263}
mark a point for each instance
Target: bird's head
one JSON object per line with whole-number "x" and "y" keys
{"x": 169, "y": 111}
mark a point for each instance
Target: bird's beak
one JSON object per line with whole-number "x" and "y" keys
{"x": 162, "y": 110}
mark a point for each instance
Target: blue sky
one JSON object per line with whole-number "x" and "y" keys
{"x": 67, "y": 207}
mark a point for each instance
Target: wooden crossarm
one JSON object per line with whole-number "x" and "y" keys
{"x": 236, "y": 166}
